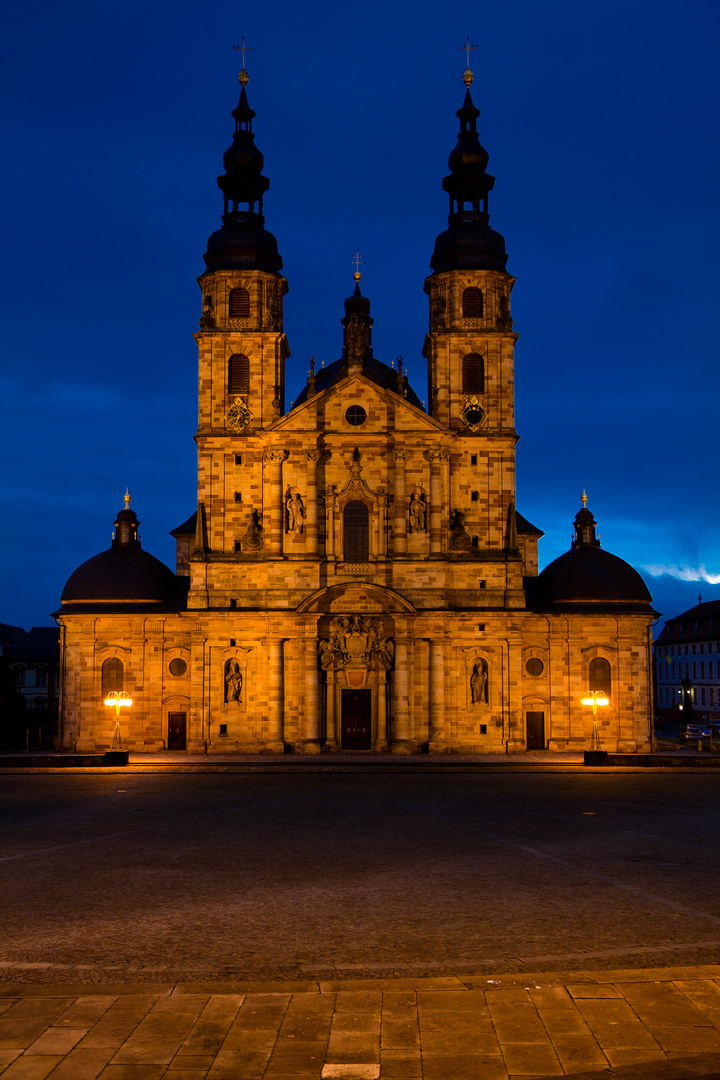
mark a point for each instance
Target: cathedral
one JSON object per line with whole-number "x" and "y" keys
{"x": 356, "y": 576}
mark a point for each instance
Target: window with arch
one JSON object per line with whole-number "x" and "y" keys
{"x": 112, "y": 675}
{"x": 238, "y": 374}
{"x": 472, "y": 304}
{"x": 239, "y": 303}
{"x": 473, "y": 374}
{"x": 600, "y": 675}
{"x": 356, "y": 532}
{"x": 41, "y": 677}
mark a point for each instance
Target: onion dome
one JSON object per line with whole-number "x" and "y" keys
{"x": 587, "y": 575}
{"x": 469, "y": 243}
{"x": 243, "y": 242}
{"x": 122, "y": 575}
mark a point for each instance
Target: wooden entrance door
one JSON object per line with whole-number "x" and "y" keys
{"x": 177, "y": 731}
{"x": 535, "y": 723}
{"x": 356, "y": 725}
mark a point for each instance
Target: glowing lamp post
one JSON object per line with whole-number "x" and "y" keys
{"x": 595, "y": 698}
{"x": 117, "y": 699}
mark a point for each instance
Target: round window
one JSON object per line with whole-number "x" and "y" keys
{"x": 178, "y": 666}
{"x": 356, "y": 415}
{"x": 534, "y": 666}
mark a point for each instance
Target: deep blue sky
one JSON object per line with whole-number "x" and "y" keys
{"x": 601, "y": 124}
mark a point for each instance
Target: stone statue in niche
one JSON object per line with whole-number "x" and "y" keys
{"x": 417, "y": 511}
{"x": 478, "y": 683}
{"x": 356, "y": 641}
{"x": 253, "y": 540}
{"x": 233, "y": 682}
{"x": 207, "y": 319}
{"x": 459, "y": 539}
{"x": 295, "y": 512}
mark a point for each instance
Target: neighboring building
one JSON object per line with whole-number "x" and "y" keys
{"x": 687, "y": 663}
{"x": 356, "y": 576}
{"x": 34, "y": 660}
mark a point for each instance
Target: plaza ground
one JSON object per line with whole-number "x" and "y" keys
{"x": 400, "y": 922}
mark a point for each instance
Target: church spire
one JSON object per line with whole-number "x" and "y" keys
{"x": 585, "y": 525}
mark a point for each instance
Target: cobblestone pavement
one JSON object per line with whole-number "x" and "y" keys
{"x": 649, "y": 1025}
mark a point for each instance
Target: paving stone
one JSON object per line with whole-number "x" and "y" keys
{"x": 344, "y": 1047}
{"x": 6, "y": 1056}
{"x": 57, "y": 1041}
{"x": 233, "y": 1064}
{"x": 351, "y": 1072}
{"x": 700, "y": 1039}
{"x": 310, "y": 1029}
{"x": 21, "y": 1033}
{"x": 192, "y": 1061}
{"x": 251, "y": 1040}
{"x": 451, "y": 1042}
{"x": 622, "y": 1056}
{"x": 403, "y": 1064}
{"x": 615, "y": 1010}
{"x": 357, "y": 1023}
{"x": 629, "y": 1036}
{"x": 399, "y": 1033}
{"x": 587, "y": 990}
{"x": 7, "y": 1003}
{"x": 82, "y": 1065}
{"x": 579, "y": 1052}
{"x": 86, "y": 1011}
{"x": 359, "y": 1001}
{"x": 38, "y": 1007}
{"x": 186, "y": 1074}
{"x": 132, "y": 1072}
{"x": 564, "y": 1022}
{"x": 531, "y": 1060}
{"x": 551, "y": 998}
{"x": 34, "y": 1068}
{"x": 146, "y": 1051}
{"x": 311, "y": 1005}
{"x": 303, "y": 1055}
{"x": 662, "y": 1003}
{"x": 463, "y": 1067}
{"x": 521, "y": 1029}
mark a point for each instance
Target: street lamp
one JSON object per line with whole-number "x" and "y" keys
{"x": 117, "y": 699}
{"x": 595, "y": 698}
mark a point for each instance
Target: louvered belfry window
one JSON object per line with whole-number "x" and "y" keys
{"x": 472, "y": 304}
{"x": 473, "y": 374}
{"x": 112, "y": 675}
{"x": 600, "y": 675}
{"x": 239, "y": 304}
{"x": 356, "y": 532}
{"x": 238, "y": 374}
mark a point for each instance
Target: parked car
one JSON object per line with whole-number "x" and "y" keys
{"x": 692, "y": 732}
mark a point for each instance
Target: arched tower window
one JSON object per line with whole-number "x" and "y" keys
{"x": 112, "y": 675}
{"x": 600, "y": 675}
{"x": 473, "y": 374}
{"x": 239, "y": 303}
{"x": 356, "y": 532}
{"x": 238, "y": 374}
{"x": 472, "y": 304}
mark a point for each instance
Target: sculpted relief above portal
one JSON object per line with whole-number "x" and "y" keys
{"x": 356, "y": 641}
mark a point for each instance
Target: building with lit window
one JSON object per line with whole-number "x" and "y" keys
{"x": 687, "y": 663}
{"x": 355, "y": 575}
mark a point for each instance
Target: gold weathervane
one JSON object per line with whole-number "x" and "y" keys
{"x": 467, "y": 74}
{"x": 357, "y": 259}
{"x": 243, "y": 77}
{"x": 584, "y": 499}
{"x": 126, "y": 497}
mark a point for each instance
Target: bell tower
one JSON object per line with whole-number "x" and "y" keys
{"x": 242, "y": 347}
{"x": 469, "y": 348}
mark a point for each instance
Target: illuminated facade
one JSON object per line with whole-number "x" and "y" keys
{"x": 357, "y": 576}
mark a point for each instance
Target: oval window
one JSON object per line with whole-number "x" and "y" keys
{"x": 178, "y": 666}
{"x": 534, "y": 666}
{"x": 356, "y": 415}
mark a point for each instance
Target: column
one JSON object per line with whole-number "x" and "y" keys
{"x": 437, "y": 695}
{"x": 330, "y": 523}
{"x": 435, "y": 457}
{"x": 274, "y": 744}
{"x": 311, "y": 742}
{"x": 311, "y": 513}
{"x": 330, "y": 715}
{"x": 382, "y": 743}
{"x": 400, "y": 526}
{"x": 382, "y": 523}
{"x": 275, "y": 459}
{"x": 401, "y": 736}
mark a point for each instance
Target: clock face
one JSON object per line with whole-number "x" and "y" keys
{"x": 238, "y": 415}
{"x": 473, "y": 415}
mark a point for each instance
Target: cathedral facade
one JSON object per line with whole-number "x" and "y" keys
{"x": 356, "y": 576}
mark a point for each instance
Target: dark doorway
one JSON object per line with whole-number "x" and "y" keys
{"x": 535, "y": 722}
{"x": 356, "y": 733}
{"x": 177, "y": 731}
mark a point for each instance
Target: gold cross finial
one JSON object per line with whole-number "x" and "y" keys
{"x": 584, "y": 499}
{"x": 357, "y": 259}
{"x": 243, "y": 77}
{"x": 126, "y": 498}
{"x": 467, "y": 74}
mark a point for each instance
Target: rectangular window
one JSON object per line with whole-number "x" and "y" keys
{"x": 473, "y": 459}
{"x": 702, "y": 670}
{"x": 702, "y": 650}
{"x": 474, "y": 496}
{"x": 694, "y": 671}
{"x": 41, "y": 678}
{"x": 702, "y": 696}
{"x": 238, "y": 459}
{"x": 686, "y": 650}
{"x": 712, "y": 696}
{"x": 709, "y": 646}
{"x": 238, "y": 497}
{"x": 21, "y": 676}
{"x": 693, "y": 650}
{"x": 710, "y": 669}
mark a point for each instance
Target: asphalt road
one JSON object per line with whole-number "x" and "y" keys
{"x": 296, "y": 876}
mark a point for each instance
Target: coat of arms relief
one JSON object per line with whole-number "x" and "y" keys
{"x": 356, "y": 641}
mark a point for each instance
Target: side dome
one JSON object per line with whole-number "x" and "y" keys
{"x": 588, "y": 575}
{"x": 124, "y": 573}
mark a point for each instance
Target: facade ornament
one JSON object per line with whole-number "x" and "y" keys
{"x": 253, "y": 538}
{"x": 313, "y": 456}
{"x": 233, "y": 682}
{"x": 275, "y": 457}
{"x": 356, "y": 641}
{"x": 417, "y": 511}
{"x": 478, "y": 683}
{"x": 503, "y": 320}
{"x": 295, "y": 512}
{"x": 399, "y": 455}
{"x": 238, "y": 415}
{"x": 207, "y": 319}
{"x": 459, "y": 539}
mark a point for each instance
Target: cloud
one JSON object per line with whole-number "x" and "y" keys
{"x": 682, "y": 573}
